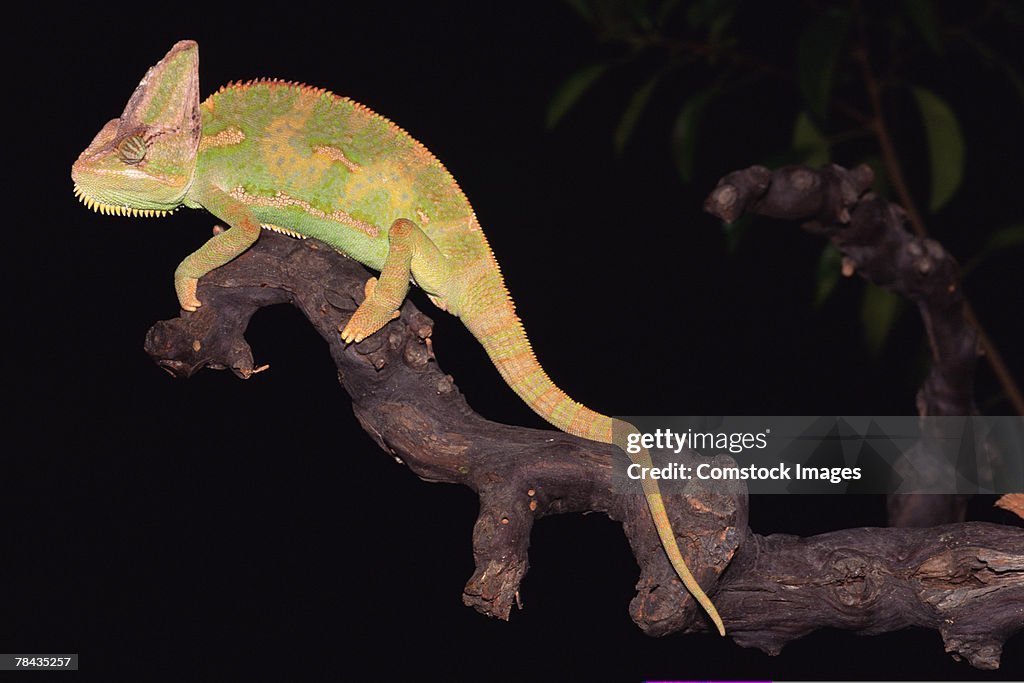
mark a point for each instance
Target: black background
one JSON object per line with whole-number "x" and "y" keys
{"x": 215, "y": 529}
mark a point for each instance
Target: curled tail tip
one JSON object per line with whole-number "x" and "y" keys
{"x": 718, "y": 624}
{"x": 709, "y": 607}
{"x": 711, "y": 610}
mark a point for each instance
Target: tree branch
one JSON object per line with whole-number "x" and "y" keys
{"x": 964, "y": 580}
{"x": 869, "y": 233}
{"x": 416, "y": 413}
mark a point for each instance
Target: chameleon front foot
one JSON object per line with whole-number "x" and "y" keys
{"x": 186, "y": 290}
{"x": 370, "y": 316}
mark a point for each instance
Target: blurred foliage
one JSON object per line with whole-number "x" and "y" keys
{"x": 838, "y": 68}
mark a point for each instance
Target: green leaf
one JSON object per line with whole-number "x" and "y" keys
{"x": 810, "y": 145}
{"x": 922, "y": 14}
{"x": 571, "y": 91}
{"x": 1004, "y": 238}
{"x": 817, "y": 54}
{"x": 631, "y": 115}
{"x": 879, "y": 310}
{"x": 829, "y": 268}
{"x": 945, "y": 147}
{"x": 684, "y": 133}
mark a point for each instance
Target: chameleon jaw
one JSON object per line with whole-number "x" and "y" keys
{"x": 113, "y": 210}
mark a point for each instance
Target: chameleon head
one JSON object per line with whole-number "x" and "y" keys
{"x": 143, "y": 163}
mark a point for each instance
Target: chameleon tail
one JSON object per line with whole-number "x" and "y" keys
{"x": 668, "y": 537}
{"x": 498, "y": 329}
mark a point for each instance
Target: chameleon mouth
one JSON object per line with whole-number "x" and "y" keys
{"x": 113, "y": 210}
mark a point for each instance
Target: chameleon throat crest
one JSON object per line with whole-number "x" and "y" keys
{"x": 115, "y": 210}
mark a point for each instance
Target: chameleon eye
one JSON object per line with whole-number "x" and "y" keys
{"x": 132, "y": 149}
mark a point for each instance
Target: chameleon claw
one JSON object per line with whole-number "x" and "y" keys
{"x": 349, "y": 335}
{"x": 366, "y": 320}
{"x": 357, "y": 332}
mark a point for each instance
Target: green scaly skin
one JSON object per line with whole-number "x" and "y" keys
{"x": 299, "y": 160}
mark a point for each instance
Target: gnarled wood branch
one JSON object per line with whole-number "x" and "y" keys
{"x": 414, "y": 411}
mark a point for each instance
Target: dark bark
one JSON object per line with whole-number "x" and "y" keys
{"x": 964, "y": 580}
{"x": 416, "y": 413}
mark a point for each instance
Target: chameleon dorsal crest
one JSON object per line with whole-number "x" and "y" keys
{"x": 151, "y": 148}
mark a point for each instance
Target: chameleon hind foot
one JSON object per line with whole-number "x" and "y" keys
{"x": 384, "y": 296}
{"x": 370, "y": 316}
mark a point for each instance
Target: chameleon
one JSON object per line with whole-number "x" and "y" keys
{"x": 278, "y": 155}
